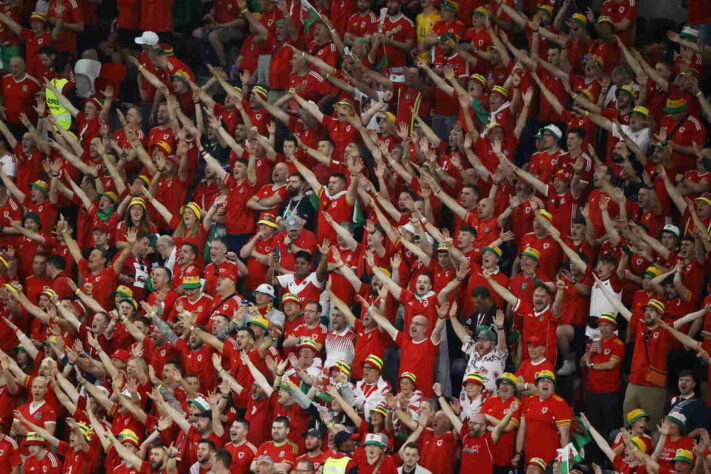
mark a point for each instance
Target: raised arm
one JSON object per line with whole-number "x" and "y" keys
{"x": 502, "y": 291}
{"x": 614, "y": 301}
{"x": 381, "y": 320}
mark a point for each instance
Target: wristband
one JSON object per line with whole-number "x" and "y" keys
{"x": 244, "y": 10}
{"x": 699, "y": 94}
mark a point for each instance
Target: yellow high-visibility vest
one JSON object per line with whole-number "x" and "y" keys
{"x": 336, "y": 465}
{"x": 54, "y": 107}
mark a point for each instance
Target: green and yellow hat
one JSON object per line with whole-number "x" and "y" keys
{"x": 531, "y": 252}
{"x": 605, "y": 19}
{"x": 111, "y": 195}
{"x": 545, "y": 374}
{"x": 38, "y": 16}
{"x": 33, "y": 438}
{"x": 450, "y": 5}
{"x": 137, "y": 201}
{"x": 597, "y": 59}
{"x": 262, "y": 322}
{"x": 629, "y": 89}
{"x": 40, "y": 186}
{"x": 261, "y": 91}
{"x": 640, "y": 443}
{"x": 380, "y": 410}
{"x": 705, "y": 198}
{"x": 493, "y": 249}
{"x": 342, "y": 366}
{"x": 538, "y": 462}
{"x": 608, "y": 318}
{"x": 290, "y": 297}
{"x": 652, "y": 272}
{"x": 635, "y": 415}
{"x": 545, "y": 214}
{"x": 656, "y": 304}
{"x": 193, "y": 207}
{"x": 124, "y": 291}
{"x": 307, "y": 343}
{"x": 641, "y": 110}
{"x": 190, "y": 282}
{"x": 374, "y": 361}
{"x": 507, "y": 377}
{"x": 684, "y": 455}
{"x": 130, "y": 301}
{"x": 481, "y": 11}
{"x": 474, "y": 377}
{"x": 479, "y": 78}
{"x": 675, "y": 106}
{"x": 546, "y": 8}
{"x": 129, "y": 436}
{"x": 502, "y": 91}
{"x": 580, "y": 19}
{"x": 49, "y": 293}
{"x": 409, "y": 375}
{"x": 86, "y": 431}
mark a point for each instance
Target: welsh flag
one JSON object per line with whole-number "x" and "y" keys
{"x": 567, "y": 457}
{"x": 309, "y": 15}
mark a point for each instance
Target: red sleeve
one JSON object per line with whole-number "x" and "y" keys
{"x": 83, "y": 266}
{"x": 523, "y": 307}
{"x": 406, "y": 296}
{"x": 562, "y": 414}
{"x": 63, "y": 448}
{"x": 610, "y": 114}
{"x": 400, "y": 339}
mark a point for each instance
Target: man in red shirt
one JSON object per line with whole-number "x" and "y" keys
{"x": 40, "y": 458}
{"x": 540, "y": 319}
{"x": 99, "y": 281}
{"x": 19, "y": 90}
{"x": 70, "y": 15}
{"x": 282, "y": 451}
{"x": 78, "y": 457}
{"x": 239, "y": 219}
{"x": 36, "y": 37}
{"x": 419, "y": 352}
{"x": 545, "y": 422}
{"x": 397, "y": 36}
{"x": 648, "y": 375}
{"x": 241, "y": 450}
{"x": 478, "y": 443}
{"x": 334, "y": 199}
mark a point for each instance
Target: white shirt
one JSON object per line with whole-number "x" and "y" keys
{"x": 9, "y": 165}
{"x": 491, "y": 365}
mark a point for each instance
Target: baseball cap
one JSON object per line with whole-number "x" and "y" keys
{"x": 148, "y": 38}
{"x": 343, "y": 436}
{"x": 535, "y": 341}
{"x": 313, "y": 432}
{"x": 553, "y": 130}
{"x": 292, "y": 223}
{"x": 672, "y": 228}
{"x": 374, "y": 439}
{"x": 201, "y": 403}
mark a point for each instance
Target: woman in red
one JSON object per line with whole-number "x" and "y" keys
{"x": 188, "y": 227}
{"x": 135, "y": 216}
{"x": 545, "y": 422}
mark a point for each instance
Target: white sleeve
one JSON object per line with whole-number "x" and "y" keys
{"x": 314, "y": 280}
{"x": 9, "y": 165}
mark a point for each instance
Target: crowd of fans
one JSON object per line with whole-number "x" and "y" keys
{"x": 354, "y": 236}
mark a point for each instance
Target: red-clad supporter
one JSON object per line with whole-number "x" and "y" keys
{"x": 318, "y": 236}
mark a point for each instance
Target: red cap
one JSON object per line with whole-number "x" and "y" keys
{"x": 535, "y": 341}
{"x": 101, "y": 226}
{"x": 564, "y": 174}
{"x": 122, "y": 354}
